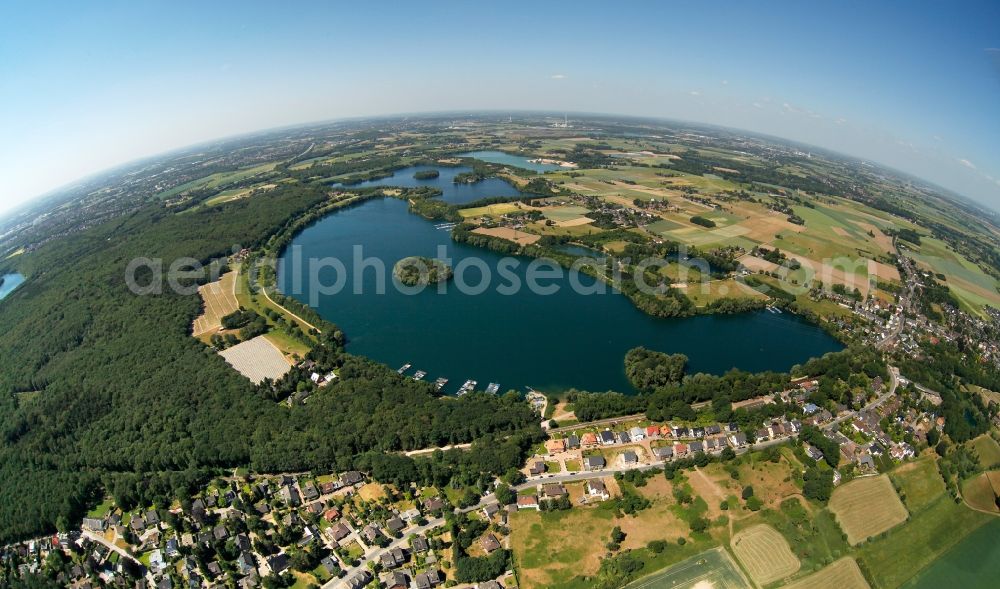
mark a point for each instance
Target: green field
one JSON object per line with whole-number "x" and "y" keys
{"x": 988, "y": 450}
{"x": 928, "y": 535}
{"x": 714, "y": 568}
{"x": 919, "y": 482}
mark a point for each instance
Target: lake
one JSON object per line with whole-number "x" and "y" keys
{"x": 973, "y": 563}
{"x": 549, "y": 342}
{"x": 10, "y": 282}
{"x": 507, "y": 159}
{"x": 456, "y": 194}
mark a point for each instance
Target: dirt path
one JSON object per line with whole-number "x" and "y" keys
{"x": 299, "y": 319}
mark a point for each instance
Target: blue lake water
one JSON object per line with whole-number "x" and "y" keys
{"x": 549, "y": 342}
{"x": 10, "y": 282}
{"x": 507, "y": 159}
{"x": 456, "y": 194}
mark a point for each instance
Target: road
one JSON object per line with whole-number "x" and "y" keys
{"x": 599, "y": 422}
{"x": 268, "y": 297}
{"x": 894, "y": 383}
{"x": 100, "y": 540}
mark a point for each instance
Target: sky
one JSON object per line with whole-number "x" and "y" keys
{"x": 85, "y": 86}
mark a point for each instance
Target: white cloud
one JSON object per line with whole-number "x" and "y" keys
{"x": 841, "y": 121}
{"x": 559, "y": 76}
{"x": 694, "y": 93}
{"x": 758, "y": 105}
{"x": 967, "y": 163}
{"x": 725, "y": 82}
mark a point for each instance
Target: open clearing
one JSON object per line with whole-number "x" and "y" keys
{"x": 219, "y": 301}
{"x": 988, "y": 450}
{"x": 765, "y": 554}
{"x": 843, "y": 574}
{"x": 867, "y": 507}
{"x": 919, "y": 481}
{"x": 518, "y": 237}
{"x": 713, "y": 569}
{"x": 257, "y": 359}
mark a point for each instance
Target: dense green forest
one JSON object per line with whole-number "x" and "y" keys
{"x": 101, "y": 388}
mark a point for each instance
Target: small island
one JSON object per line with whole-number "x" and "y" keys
{"x": 426, "y": 175}
{"x": 418, "y": 270}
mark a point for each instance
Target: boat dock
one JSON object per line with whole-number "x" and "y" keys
{"x": 404, "y": 368}
{"x": 493, "y": 388}
{"x": 467, "y": 387}
{"x": 439, "y": 384}
{"x": 445, "y": 226}
{"x": 418, "y": 375}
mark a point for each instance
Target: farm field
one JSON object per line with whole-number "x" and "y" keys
{"x": 812, "y": 535}
{"x": 257, "y": 359}
{"x": 919, "y": 482}
{"x": 867, "y": 507}
{"x": 219, "y": 301}
{"x": 713, "y": 569}
{"x": 518, "y": 237}
{"x": 929, "y": 534}
{"x": 988, "y": 450}
{"x": 974, "y": 288}
{"x": 843, "y": 574}
{"x": 981, "y": 491}
{"x": 764, "y": 554}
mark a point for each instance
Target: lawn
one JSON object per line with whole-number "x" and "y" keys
{"x": 711, "y": 569}
{"x": 102, "y": 509}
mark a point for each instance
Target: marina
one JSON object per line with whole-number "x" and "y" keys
{"x": 404, "y": 368}
{"x": 439, "y": 384}
{"x": 467, "y": 387}
{"x": 493, "y": 388}
{"x": 419, "y": 375}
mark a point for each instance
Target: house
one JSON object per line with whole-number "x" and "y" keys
{"x": 395, "y": 524}
{"x": 371, "y": 533}
{"x": 810, "y": 408}
{"x": 427, "y": 580}
{"x": 278, "y": 563}
{"x": 156, "y": 562}
{"x": 762, "y": 435}
{"x": 393, "y": 558}
{"x": 697, "y": 447}
{"x": 630, "y": 457}
{"x": 397, "y": 580}
{"x": 309, "y": 491}
{"x": 245, "y": 564}
{"x": 410, "y": 514}
{"x": 242, "y": 542}
{"x": 713, "y": 430}
{"x": 594, "y": 462}
{"x": 573, "y": 442}
{"x": 489, "y": 543}
{"x": 490, "y": 510}
{"x": 352, "y": 477}
{"x": 624, "y": 438}
{"x": 665, "y": 431}
{"x": 813, "y": 452}
{"x": 679, "y": 431}
{"x": 152, "y": 518}
{"x": 433, "y": 504}
{"x": 172, "y": 550}
{"x": 537, "y": 468}
{"x": 712, "y": 444}
{"x": 213, "y": 568}
{"x": 359, "y": 580}
{"x": 866, "y": 462}
{"x": 836, "y": 477}
{"x": 698, "y": 432}
{"x": 220, "y": 532}
{"x": 290, "y": 496}
{"x": 607, "y": 437}
{"x": 331, "y": 566}
{"x": 419, "y": 544}
{"x": 637, "y": 434}
{"x": 339, "y": 532}
{"x": 527, "y": 502}
{"x": 596, "y": 489}
{"x": 589, "y": 439}
{"x": 664, "y": 452}
{"x": 553, "y": 491}
{"x": 680, "y": 450}
{"x": 555, "y": 446}
{"x": 652, "y": 431}
{"x": 331, "y": 514}
{"x": 491, "y": 584}
{"x": 329, "y": 487}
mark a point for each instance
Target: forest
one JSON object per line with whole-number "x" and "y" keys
{"x": 102, "y": 390}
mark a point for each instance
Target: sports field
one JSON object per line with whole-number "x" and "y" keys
{"x": 843, "y": 574}
{"x": 765, "y": 554}
{"x": 867, "y": 507}
{"x": 257, "y": 359}
{"x": 219, "y": 301}
{"x": 713, "y": 569}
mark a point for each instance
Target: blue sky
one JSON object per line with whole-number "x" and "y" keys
{"x": 86, "y": 86}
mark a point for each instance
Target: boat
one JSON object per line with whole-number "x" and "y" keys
{"x": 493, "y": 388}
{"x": 404, "y": 368}
{"x": 419, "y": 375}
{"x": 439, "y": 383}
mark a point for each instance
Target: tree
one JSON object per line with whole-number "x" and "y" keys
{"x": 617, "y": 535}
{"x": 747, "y": 492}
{"x": 754, "y": 503}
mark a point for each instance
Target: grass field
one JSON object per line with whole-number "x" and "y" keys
{"x": 919, "y": 482}
{"x": 713, "y": 569}
{"x": 973, "y": 287}
{"x": 867, "y": 507}
{"x": 843, "y": 574}
{"x": 219, "y": 301}
{"x": 812, "y": 534}
{"x": 981, "y": 491}
{"x": 988, "y": 450}
{"x": 764, "y": 554}
{"x": 928, "y": 535}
